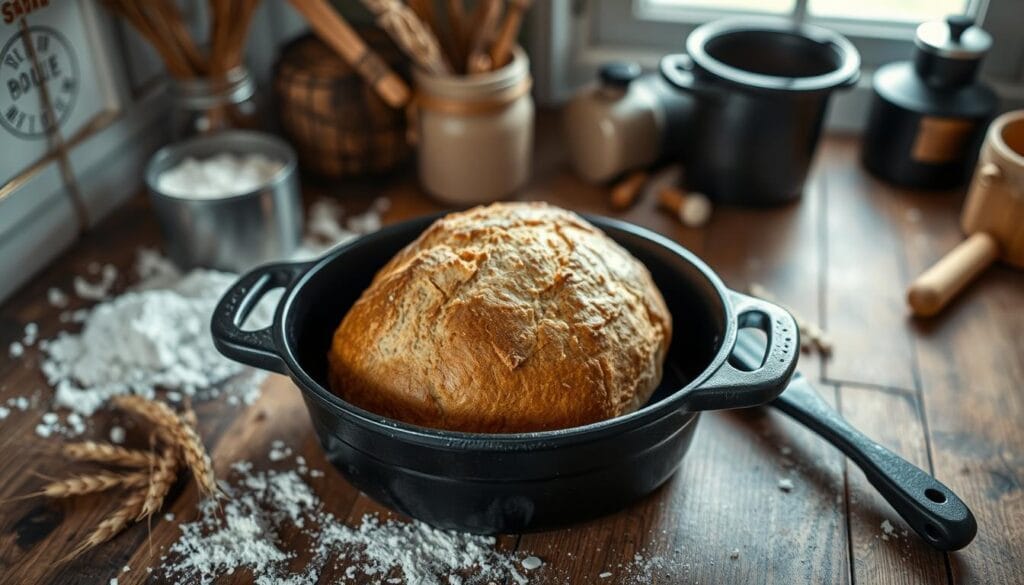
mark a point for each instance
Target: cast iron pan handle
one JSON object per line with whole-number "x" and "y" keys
{"x": 731, "y": 387}
{"x": 254, "y": 348}
{"x": 941, "y": 518}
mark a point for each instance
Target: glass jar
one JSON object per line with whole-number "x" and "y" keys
{"x": 475, "y": 132}
{"x": 205, "y": 104}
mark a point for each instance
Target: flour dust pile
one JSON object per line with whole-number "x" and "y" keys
{"x": 154, "y": 337}
{"x": 271, "y": 514}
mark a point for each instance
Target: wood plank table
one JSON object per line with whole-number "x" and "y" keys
{"x": 948, "y": 394}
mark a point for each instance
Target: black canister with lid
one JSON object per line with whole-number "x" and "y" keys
{"x": 928, "y": 116}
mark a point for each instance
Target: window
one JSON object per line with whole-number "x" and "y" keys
{"x": 912, "y": 11}
{"x": 569, "y": 40}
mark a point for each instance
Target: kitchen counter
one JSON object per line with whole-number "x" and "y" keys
{"x": 948, "y": 394}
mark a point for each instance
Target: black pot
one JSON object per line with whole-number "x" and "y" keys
{"x": 760, "y": 89}
{"x": 511, "y": 482}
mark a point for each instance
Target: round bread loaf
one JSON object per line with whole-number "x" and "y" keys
{"x": 508, "y": 318}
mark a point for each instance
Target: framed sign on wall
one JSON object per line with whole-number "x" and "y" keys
{"x": 54, "y": 78}
{"x": 65, "y": 111}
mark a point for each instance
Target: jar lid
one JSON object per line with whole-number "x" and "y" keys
{"x": 619, "y": 73}
{"x": 955, "y": 37}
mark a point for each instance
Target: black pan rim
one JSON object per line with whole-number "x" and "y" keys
{"x": 847, "y": 70}
{"x": 458, "y": 440}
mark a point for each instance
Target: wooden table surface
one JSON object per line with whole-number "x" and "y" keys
{"x": 948, "y": 394}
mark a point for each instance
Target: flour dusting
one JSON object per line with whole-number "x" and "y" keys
{"x": 141, "y": 341}
{"x": 271, "y": 514}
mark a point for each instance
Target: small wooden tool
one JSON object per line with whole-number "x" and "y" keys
{"x": 692, "y": 209}
{"x": 479, "y": 60}
{"x": 501, "y": 52}
{"x": 334, "y": 31}
{"x": 626, "y": 191}
{"x": 993, "y": 215}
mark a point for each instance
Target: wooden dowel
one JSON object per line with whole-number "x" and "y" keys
{"x": 501, "y": 51}
{"x": 172, "y": 22}
{"x": 337, "y": 34}
{"x": 692, "y": 209}
{"x": 135, "y": 16}
{"x": 479, "y": 60}
{"x": 458, "y": 27}
{"x": 626, "y": 191}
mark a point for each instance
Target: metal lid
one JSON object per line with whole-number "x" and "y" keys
{"x": 956, "y": 37}
{"x": 619, "y": 73}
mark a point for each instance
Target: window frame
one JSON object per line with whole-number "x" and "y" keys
{"x": 569, "y": 41}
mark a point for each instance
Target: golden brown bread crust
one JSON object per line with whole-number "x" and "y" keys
{"x": 508, "y": 318}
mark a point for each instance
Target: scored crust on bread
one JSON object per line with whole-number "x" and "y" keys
{"x": 512, "y": 317}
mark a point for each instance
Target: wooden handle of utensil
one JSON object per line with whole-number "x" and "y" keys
{"x": 336, "y": 33}
{"x": 940, "y": 283}
{"x": 479, "y": 60}
{"x": 502, "y": 49}
{"x": 625, "y": 193}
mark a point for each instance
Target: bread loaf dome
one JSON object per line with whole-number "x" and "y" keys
{"x": 512, "y": 317}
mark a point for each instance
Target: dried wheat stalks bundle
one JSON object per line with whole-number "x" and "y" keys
{"x": 177, "y": 432}
{"x": 177, "y": 443}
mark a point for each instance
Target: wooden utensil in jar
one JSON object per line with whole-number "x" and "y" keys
{"x": 993, "y": 215}
{"x": 337, "y": 34}
{"x": 501, "y": 52}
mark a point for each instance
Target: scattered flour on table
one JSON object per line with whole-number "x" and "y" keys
{"x": 100, "y": 289}
{"x": 51, "y": 424}
{"x": 270, "y": 514}
{"x": 28, "y": 339}
{"x": 31, "y": 334}
{"x": 327, "y": 228}
{"x": 141, "y": 341}
{"x": 888, "y": 530}
{"x": 279, "y": 451}
{"x": 56, "y": 297}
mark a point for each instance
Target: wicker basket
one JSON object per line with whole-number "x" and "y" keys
{"x": 336, "y": 122}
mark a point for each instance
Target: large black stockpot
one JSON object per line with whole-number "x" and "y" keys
{"x": 760, "y": 89}
{"x": 490, "y": 483}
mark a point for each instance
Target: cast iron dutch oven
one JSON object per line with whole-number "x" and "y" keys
{"x": 488, "y": 483}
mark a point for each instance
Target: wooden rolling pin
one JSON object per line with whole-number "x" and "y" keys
{"x": 936, "y": 287}
{"x": 993, "y": 215}
{"x": 337, "y": 34}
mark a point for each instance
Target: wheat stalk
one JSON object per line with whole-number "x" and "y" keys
{"x": 80, "y": 485}
{"x": 98, "y": 452}
{"x": 161, "y": 478}
{"x": 188, "y": 414}
{"x": 113, "y": 524}
{"x": 178, "y": 433}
